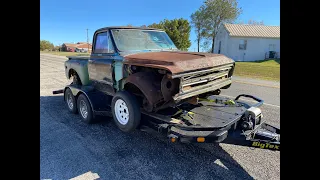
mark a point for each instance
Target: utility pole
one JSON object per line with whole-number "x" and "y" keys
{"x": 88, "y": 39}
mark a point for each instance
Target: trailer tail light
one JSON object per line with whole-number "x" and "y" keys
{"x": 200, "y": 139}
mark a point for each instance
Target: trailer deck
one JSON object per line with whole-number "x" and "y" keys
{"x": 216, "y": 119}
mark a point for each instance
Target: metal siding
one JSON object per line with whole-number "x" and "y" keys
{"x": 256, "y": 48}
{"x": 245, "y": 30}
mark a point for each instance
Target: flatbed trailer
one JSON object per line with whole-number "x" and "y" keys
{"x": 216, "y": 119}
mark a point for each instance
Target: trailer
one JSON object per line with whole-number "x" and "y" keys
{"x": 216, "y": 119}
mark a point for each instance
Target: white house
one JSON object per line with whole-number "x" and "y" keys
{"x": 248, "y": 42}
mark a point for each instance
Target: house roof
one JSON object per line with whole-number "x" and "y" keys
{"x": 245, "y": 30}
{"x": 83, "y": 46}
{"x": 77, "y": 45}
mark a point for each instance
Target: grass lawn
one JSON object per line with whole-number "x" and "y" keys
{"x": 65, "y": 53}
{"x": 266, "y": 69}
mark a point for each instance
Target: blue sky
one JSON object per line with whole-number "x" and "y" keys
{"x": 66, "y": 21}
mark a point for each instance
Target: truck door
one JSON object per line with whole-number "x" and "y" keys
{"x": 100, "y": 62}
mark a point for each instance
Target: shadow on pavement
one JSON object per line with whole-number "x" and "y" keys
{"x": 69, "y": 147}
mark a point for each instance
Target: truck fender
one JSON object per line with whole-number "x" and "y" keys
{"x": 145, "y": 82}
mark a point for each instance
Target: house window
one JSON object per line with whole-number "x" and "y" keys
{"x": 272, "y": 47}
{"x": 103, "y": 43}
{"x": 219, "y": 47}
{"x": 243, "y": 44}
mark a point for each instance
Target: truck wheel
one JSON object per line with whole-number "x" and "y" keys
{"x": 71, "y": 101}
{"x": 126, "y": 111}
{"x": 84, "y": 109}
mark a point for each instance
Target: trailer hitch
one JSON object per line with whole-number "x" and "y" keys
{"x": 264, "y": 136}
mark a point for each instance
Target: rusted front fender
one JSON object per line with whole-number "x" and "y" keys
{"x": 146, "y": 82}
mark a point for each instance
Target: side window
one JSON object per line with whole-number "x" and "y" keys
{"x": 103, "y": 43}
{"x": 243, "y": 44}
{"x": 272, "y": 47}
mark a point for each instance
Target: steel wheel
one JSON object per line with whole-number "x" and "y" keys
{"x": 70, "y": 101}
{"x": 83, "y": 109}
{"x": 121, "y": 112}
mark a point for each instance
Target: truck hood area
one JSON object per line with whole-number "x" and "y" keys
{"x": 177, "y": 61}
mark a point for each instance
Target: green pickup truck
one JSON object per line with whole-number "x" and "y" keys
{"x": 145, "y": 63}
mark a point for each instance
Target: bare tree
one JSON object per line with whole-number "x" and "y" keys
{"x": 218, "y": 12}
{"x": 198, "y": 23}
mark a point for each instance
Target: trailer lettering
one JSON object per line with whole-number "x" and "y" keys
{"x": 264, "y": 145}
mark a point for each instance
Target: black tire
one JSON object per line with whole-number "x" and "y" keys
{"x": 226, "y": 87}
{"x": 70, "y": 101}
{"x": 83, "y": 102}
{"x": 131, "y": 104}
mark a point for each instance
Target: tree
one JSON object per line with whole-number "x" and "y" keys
{"x": 217, "y": 12}
{"x": 155, "y": 25}
{"x": 178, "y": 30}
{"x": 198, "y": 22}
{"x": 45, "y": 45}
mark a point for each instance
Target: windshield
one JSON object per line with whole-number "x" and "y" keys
{"x": 139, "y": 39}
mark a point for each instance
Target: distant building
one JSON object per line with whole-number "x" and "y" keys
{"x": 248, "y": 42}
{"x": 71, "y": 47}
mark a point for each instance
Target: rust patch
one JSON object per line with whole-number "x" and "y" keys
{"x": 145, "y": 81}
{"x": 177, "y": 61}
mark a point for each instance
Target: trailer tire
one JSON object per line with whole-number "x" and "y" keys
{"x": 126, "y": 111}
{"x": 70, "y": 101}
{"x": 84, "y": 109}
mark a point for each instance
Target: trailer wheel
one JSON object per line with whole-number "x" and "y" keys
{"x": 71, "y": 101}
{"x": 126, "y": 111}
{"x": 85, "y": 109}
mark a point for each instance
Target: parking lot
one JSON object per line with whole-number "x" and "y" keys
{"x": 69, "y": 147}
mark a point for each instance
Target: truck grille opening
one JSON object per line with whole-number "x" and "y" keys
{"x": 204, "y": 81}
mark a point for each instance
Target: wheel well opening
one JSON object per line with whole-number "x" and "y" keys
{"x": 74, "y": 73}
{"x": 135, "y": 91}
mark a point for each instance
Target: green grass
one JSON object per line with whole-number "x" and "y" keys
{"x": 266, "y": 69}
{"x": 65, "y": 53}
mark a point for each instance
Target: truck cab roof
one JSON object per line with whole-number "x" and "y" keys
{"x": 126, "y": 27}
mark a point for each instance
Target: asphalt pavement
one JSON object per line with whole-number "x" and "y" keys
{"x": 70, "y": 148}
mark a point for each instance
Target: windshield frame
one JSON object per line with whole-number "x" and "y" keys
{"x": 155, "y": 30}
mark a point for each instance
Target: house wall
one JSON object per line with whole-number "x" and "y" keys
{"x": 256, "y": 48}
{"x": 222, "y": 36}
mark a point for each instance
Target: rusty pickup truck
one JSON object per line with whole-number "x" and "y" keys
{"x": 145, "y": 65}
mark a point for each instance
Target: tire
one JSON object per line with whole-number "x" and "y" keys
{"x": 226, "y": 87}
{"x": 70, "y": 101}
{"x": 126, "y": 111}
{"x": 84, "y": 109}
